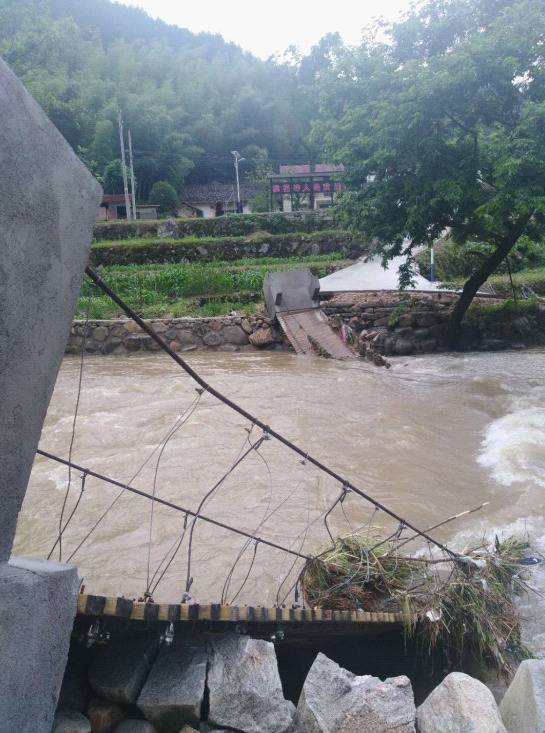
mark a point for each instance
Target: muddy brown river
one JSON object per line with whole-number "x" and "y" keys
{"x": 432, "y": 437}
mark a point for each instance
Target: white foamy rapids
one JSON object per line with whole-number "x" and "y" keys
{"x": 514, "y": 445}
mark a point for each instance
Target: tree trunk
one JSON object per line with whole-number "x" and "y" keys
{"x": 472, "y": 286}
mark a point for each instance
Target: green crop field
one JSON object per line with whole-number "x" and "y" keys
{"x": 207, "y": 289}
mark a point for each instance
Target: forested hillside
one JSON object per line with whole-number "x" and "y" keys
{"x": 189, "y": 99}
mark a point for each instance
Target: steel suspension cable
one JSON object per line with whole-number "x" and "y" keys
{"x": 63, "y": 526}
{"x": 178, "y": 543}
{"x": 253, "y": 447}
{"x": 179, "y": 423}
{"x": 171, "y": 505}
{"x": 251, "y": 418}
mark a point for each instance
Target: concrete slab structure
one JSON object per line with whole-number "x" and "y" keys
{"x": 37, "y": 604}
{"x": 370, "y": 275}
{"x": 49, "y": 205}
{"x": 293, "y": 290}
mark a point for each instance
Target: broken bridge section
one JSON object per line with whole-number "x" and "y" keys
{"x": 293, "y": 298}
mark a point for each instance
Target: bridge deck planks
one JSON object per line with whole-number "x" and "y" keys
{"x": 304, "y": 327}
{"x": 124, "y": 608}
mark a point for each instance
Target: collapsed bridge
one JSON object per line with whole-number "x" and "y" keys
{"x": 292, "y": 297}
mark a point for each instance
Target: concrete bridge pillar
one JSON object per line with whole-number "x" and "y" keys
{"x": 48, "y": 205}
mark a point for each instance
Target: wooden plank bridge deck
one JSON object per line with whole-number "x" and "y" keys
{"x": 304, "y": 619}
{"x": 310, "y": 329}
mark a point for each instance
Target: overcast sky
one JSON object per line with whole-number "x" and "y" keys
{"x": 265, "y": 28}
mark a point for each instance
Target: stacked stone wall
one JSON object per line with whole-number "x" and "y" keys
{"x": 227, "y": 249}
{"x": 399, "y": 324}
{"x": 226, "y": 333}
{"x": 391, "y": 324}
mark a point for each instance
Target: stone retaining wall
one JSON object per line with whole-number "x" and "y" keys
{"x": 227, "y": 249}
{"x": 380, "y": 323}
{"x": 225, "y": 333}
{"x": 393, "y": 323}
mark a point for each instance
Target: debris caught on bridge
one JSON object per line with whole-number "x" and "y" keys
{"x": 467, "y": 607}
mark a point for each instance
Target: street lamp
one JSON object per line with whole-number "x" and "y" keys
{"x": 238, "y": 159}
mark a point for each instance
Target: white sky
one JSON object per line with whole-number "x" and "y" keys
{"x": 267, "y": 27}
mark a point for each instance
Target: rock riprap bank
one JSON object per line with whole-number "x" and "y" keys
{"x": 222, "y": 333}
{"x": 378, "y": 323}
{"x": 394, "y": 323}
{"x": 231, "y": 682}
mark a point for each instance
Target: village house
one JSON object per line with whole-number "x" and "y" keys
{"x": 214, "y": 199}
{"x": 297, "y": 187}
{"x": 113, "y": 207}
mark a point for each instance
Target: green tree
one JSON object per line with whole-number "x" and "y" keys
{"x": 443, "y": 129}
{"x": 260, "y": 177}
{"x": 113, "y": 177}
{"x": 188, "y": 99}
{"x": 164, "y": 194}
{"x": 102, "y": 149}
{"x": 179, "y": 154}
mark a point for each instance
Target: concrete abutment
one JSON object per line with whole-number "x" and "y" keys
{"x": 45, "y": 246}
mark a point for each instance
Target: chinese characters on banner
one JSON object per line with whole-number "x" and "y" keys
{"x": 305, "y": 187}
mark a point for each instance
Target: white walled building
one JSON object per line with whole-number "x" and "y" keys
{"x": 300, "y": 187}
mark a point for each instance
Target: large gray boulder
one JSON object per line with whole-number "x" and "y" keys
{"x": 70, "y": 721}
{"x": 460, "y": 704}
{"x": 135, "y": 726}
{"x": 537, "y": 646}
{"x": 244, "y": 686}
{"x": 174, "y": 690}
{"x": 523, "y": 707}
{"x": 334, "y": 700}
{"x": 119, "y": 671}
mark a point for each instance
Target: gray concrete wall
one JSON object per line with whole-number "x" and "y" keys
{"x": 49, "y": 206}
{"x": 37, "y": 605}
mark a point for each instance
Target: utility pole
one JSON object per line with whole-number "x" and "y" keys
{"x": 238, "y": 159}
{"x": 133, "y": 185}
{"x": 124, "y": 167}
{"x": 432, "y": 264}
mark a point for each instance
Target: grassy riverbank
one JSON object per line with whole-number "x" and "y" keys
{"x": 203, "y": 289}
{"x": 527, "y": 282}
{"x": 524, "y": 281}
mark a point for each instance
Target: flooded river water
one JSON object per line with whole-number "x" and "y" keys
{"x": 431, "y": 437}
